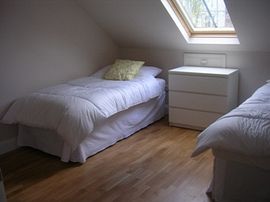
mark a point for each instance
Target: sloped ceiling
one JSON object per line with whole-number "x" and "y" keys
{"x": 146, "y": 24}
{"x": 251, "y": 19}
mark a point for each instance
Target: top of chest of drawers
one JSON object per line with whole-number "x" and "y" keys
{"x": 203, "y": 71}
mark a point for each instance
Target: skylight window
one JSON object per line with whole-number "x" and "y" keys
{"x": 202, "y": 19}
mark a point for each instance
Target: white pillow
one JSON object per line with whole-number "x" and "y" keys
{"x": 149, "y": 71}
{"x": 99, "y": 73}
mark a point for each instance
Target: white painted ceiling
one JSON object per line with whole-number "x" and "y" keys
{"x": 146, "y": 24}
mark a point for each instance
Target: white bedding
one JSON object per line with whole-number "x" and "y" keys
{"x": 244, "y": 130}
{"x": 73, "y": 109}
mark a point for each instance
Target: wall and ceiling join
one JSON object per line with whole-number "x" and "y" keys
{"x": 146, "y": 24}
{"x": 47, "y": 42}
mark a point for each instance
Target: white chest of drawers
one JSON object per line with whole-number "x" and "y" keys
{"x": 200, "y": 95}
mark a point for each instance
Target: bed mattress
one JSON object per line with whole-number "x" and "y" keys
{"x": 237, "y": 179}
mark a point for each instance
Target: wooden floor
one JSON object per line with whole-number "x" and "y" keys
{"x": 152, "y": 165}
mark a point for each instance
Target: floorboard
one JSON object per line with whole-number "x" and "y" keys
{"x": 152, "y": 165}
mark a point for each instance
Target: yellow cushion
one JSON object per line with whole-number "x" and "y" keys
{"x": 123, "y": 70}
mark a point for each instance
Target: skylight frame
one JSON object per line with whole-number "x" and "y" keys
{"x": 198, "y": 32}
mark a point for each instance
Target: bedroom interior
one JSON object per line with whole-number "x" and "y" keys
{"x": 56, "y": 46}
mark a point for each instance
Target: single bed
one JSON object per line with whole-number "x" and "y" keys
{"x": 240, "y": 141}
{"x": 79, "y": 118}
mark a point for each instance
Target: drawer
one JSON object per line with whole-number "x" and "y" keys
{"x": 195, "y": 119}
{"x": 202, "y": 102}
{"x": 198, "y": 84}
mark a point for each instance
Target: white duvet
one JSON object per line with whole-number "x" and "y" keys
{"x": 245, "y": 130}
{"x": 72, "y": 109}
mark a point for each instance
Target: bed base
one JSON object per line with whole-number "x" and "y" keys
{"x": 105, "y": 134}
{"x": 235, "y": 181}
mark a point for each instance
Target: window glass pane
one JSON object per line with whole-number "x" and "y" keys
{"x": 206, "y": 13}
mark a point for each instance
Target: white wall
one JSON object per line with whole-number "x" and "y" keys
{"x": 165, "y": 59}
{"x": 45, "y": 42}
{"x": 254, "y": 66}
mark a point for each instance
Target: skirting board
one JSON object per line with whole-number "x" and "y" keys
{"x": 8, "y": 145}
